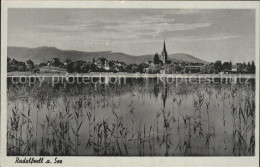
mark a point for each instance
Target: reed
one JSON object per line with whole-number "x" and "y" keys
{"x": 70, "y": 117}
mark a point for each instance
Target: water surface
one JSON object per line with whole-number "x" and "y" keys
{"x": 138, "y": 117}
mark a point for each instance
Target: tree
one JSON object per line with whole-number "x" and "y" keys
{"x": 30, "y": 64}
{"x": 92, "y": 67}
{"x": 156, "y": 59}
{"x": 226, "y": 66}
{"x": 141, "y": 66}
{"x": 253, "y": 67}
{"x": 68, "y": 61}
{"x": 111, "y": 63}
{"x": 248, "y": 67}
{"x": 85, "y": 68}
{"x": 14, "y": 65}
{"x": 239, "y": 67}
{"x": 78, "y": 66}
{"x": 243, "y": 67}
{"x": 230, "y": 64}
{"x": 174, "y": 68}
{"x": 42, "y": 64}
{"x": 131, "y": 68}
{"x": 9, "y": 60}
{"x": 55, "y": 62}
{"x": 208, "y": 68}
{"x": 103, "y": 60}
{"x": 217, "y": 66}
{"x": 70, "y": 67}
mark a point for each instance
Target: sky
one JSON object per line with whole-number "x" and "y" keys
{"x": 214, "y": 34}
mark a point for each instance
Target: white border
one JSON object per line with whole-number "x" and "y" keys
{"x": 127, "y": 161}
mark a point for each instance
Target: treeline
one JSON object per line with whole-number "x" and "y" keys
{"x": 14, "y": 65}
{"x": 227, "y": 67}
{"x": 112, "y": 66}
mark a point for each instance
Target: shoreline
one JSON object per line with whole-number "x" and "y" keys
{"x": 128, "y": 75}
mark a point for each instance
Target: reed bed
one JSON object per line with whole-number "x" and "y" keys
{"x": 94, "y": 120}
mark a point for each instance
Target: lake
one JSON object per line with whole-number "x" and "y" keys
{"x": 131, "y": 117}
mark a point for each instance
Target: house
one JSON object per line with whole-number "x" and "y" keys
{"x": 98, "y": 64}
{"x": 106, "y": 65}
{"x": 228, "y": 71}
{"x": 102, "y": 63}
{"x": 66, "y": 62}
{"x": 193, "y": 68}
{"x": 151, "y": 63}
{"x": 234, "y": 68}
{"x": 146, "y": 70}
{"x": 55, "y": 62}
{"x": 162, "y": 71}
{"x": 118, "y": 64}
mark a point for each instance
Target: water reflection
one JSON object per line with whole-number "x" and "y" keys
{"x": 130, "y": 119}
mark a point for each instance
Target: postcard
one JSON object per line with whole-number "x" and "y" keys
{"x": 125, "y": 83}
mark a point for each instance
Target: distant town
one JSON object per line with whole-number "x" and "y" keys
{"x": 159, "y": 64}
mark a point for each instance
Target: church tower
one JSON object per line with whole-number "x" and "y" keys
{"x": 164, "y": 54}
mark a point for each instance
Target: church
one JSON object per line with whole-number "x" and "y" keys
{"x": 164, "y": 56}
{"x": 162, "y": 59}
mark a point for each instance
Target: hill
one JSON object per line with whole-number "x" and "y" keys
{"x": 176, "y": 57}
{"x": 44, "y": 54}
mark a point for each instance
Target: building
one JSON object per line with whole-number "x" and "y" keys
{"x": 106, "y": 65}
{"x": 150, "y": 63}
{"x": 102, "y": 63}
{"x": 193, "y": 67}
{"x": 146, "y": 70}
{"x": 164, "y": 56}
{"x": 55, "y": 62}
{"x": 234, "y": 68}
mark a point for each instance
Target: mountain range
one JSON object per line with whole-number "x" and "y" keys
{"x": 45, "y": 54}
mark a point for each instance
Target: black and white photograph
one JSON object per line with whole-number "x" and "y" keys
{"x": 131, "y": 82}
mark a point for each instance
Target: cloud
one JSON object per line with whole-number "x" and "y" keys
{"x": 214, "y": 37}
{"x": 148, "y": 24}
{"x": 156, "y": 29}
{"x": 136, "y": 31}
{"x": 185, "y": 11}
{"x": 146, "y": 27}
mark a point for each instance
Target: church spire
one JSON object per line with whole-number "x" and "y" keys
{"x": 164, "y": 53}
{"x": 164, "y": 46}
